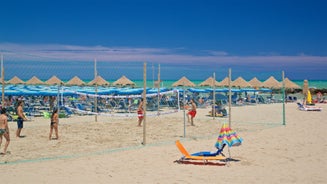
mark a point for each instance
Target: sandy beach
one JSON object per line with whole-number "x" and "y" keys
{"x": 111, "y": 151}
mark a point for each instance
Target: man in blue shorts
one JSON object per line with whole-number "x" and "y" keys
{"x": 20, "y": 119}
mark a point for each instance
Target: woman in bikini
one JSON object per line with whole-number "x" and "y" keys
{"x": 4, "y": 130}
{"x": 54, "y": 123}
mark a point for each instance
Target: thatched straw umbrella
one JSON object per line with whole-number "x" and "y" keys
{"x": 183, "y": 82}
{"x": 123, "y": 81}
{"x": 53, "y": 81}
{"x": 98, "y": 80}
{"x": 224, "y": 82}
{"x": 15, "y": 80}
{"x": 240, "y": 82}
{"x": 290, "y": 85}
{"x": 75, "y": 81}
{"x": 271, "y": 82}
{"x": 209, "y": 82}
{"x": 34, "y": 81}
{"x": 255, "y": 82}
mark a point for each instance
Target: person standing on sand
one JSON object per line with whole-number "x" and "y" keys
{"x": 192, "y": 112}
{"x": 4, "y": 130}
{"x": 20, "y": 119}
{"x": 140, "y": 112}
{"x": 54, "y": 123}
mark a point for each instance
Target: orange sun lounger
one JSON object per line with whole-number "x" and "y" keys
{"x": 187, "y": 156}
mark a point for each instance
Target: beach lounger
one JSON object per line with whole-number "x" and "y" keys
{"x": 308, "y": 108}
{"x": 186, "y": 156}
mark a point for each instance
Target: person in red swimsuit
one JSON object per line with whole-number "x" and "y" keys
{"x": 140, "y": 112}
{"x": 192, "y": 112}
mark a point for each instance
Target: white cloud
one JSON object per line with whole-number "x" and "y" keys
{"x": 57, "y": 52}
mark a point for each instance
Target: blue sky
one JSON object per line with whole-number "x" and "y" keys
{"x": 248, "y": 36}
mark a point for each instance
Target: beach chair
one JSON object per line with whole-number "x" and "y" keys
{"x": 308, "y": 108}
{"x": 197, "y": 157}
{"x": 65, "y": 112}
{"x": 122, "y": 106}
{"x": 151, "y": 104}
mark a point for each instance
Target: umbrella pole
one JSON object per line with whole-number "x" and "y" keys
{"x": 229, "y": 157}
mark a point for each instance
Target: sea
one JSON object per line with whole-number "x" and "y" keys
{"x": 316, "y": 84}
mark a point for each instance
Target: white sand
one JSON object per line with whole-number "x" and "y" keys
{"x": 110, "y": 150}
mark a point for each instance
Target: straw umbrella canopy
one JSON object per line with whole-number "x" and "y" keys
{"x": 209, "y": 82}
{"x": 290, "y": 85}
{"x": 75, "y": 81}
{"x": 15, "y": 80}
{"x": 123, "y": 81}
{"x": 53, "y": 81}
{"x": 98, "y": 80}
{"x": 255, "y": 82}
{"x": 34, "y": 81}
{"x": 240, "y": 82}
{"x": 224, "y": 82}
{"x": 271, "y": 82}
{"x": 183, "y": 82}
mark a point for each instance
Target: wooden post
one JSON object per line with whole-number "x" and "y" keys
{"x": 3, "y": 82}
{"x": 184, "y": 112}
{"x": 283, "y": 91}
{"x": 230, "y": 97}
{"x": 144, "y": 103}
{"x": 96, "y": 102}
{"x": 214, "y": 96}
{"x": 96, "y": 91}
{"x": 158, "y": 89}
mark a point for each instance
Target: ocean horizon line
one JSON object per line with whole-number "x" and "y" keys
{"x": 319, "y": 84}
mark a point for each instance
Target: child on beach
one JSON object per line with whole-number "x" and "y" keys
{"x": 4, "y": 130}
{"x": 54, "y": 123}
{"x": 192, "y": 112}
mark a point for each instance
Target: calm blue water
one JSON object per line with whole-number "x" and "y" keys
{"x": 319, "y": 84}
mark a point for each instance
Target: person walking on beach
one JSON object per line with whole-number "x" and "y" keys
{"x": 4, "y": 130}
{"x": 54, "y": 123}
{"x": 20, "y": 119}
{"x": 192, "y": 112}
{"x": 140, "y": 112}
